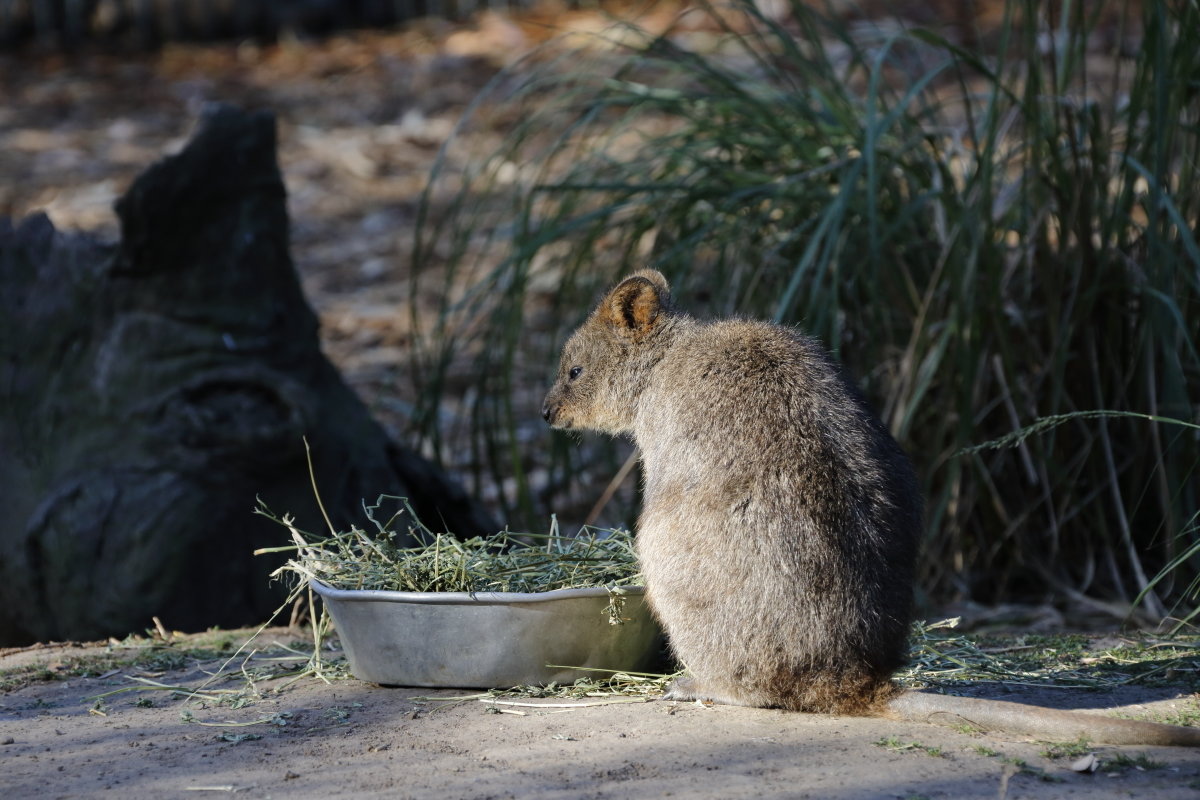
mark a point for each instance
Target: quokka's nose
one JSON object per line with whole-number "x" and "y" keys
{"x": 547, "y": 412}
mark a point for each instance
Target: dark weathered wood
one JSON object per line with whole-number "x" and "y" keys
{"x": 150, "y": 390}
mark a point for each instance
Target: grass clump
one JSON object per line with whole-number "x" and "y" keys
{"x": 897, "y": 745}
{"x": 1076, "y": 749}
{"x": 382, "y": 559}
{"x": 150, "y": 654}
{"x": 593, "y": 687}
{"x": 1023, "y": 767}
{"x": 1139, "y": 761}
{"x": 939, "y": 657}
{"x": 1019, "y": 765}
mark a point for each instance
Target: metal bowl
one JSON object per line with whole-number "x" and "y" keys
{"x": 488, "y": 639}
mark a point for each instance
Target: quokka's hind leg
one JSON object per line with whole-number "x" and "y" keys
{"x": 813, "y": 692}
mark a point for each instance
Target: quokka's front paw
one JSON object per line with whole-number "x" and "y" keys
{"x": 689, "y": 689}
{"x": 682, "y": 689}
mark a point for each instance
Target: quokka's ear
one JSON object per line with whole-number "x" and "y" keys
{"x": 637, "y": 304}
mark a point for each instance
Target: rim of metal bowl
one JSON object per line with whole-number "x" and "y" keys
{"x": 462, "y": 598}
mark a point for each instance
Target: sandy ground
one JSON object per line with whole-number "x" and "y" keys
{"x": 354, "y": 739}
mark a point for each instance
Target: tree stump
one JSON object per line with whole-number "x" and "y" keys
{"x": 152, "y": 389}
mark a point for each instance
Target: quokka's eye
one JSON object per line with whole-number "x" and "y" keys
{"x": 575, "y": 373}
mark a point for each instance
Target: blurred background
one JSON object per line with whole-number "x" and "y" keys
{"x": 986, "y": 209}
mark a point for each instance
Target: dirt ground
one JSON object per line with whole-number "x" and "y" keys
{"x": 347, "y": 738}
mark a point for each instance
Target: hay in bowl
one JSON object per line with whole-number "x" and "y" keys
{"x": 496, "y": 611}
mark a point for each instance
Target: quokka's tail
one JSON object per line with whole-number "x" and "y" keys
{"x": 1046, "y": 723}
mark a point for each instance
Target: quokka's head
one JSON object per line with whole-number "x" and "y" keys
{"x": 603, "y": 365}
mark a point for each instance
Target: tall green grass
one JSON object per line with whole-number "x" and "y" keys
{"x": 986, "y": 238}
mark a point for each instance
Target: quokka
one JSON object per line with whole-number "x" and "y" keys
{"x": 781, "y": 522}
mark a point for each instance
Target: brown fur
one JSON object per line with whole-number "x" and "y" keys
{"x": 781, "y": 521}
